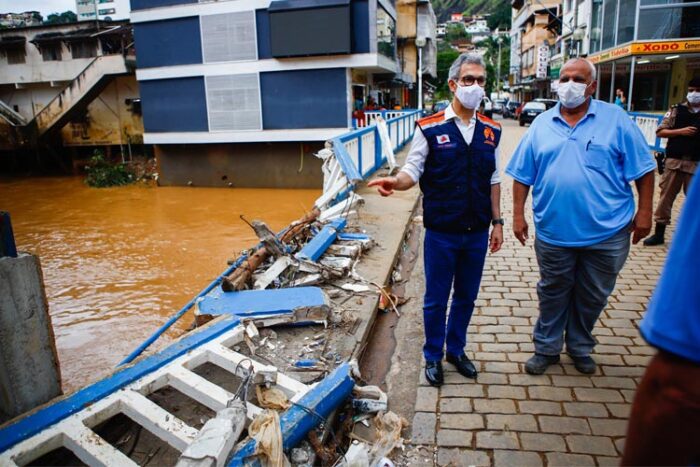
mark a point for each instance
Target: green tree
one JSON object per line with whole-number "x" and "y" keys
{"x": 491, "y": 59}
{"x": 61, "y": 18}
{"x": 500, "y": 17}
{"x": 444, "y": 60}
{"x": 455, "y": 32}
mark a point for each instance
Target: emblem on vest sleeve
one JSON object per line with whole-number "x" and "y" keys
{"x": 443, "y": 139}
{"x": 489, "y": 136}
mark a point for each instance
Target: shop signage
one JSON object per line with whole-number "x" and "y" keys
{"x": 647, "y": 48}
{"x": 542, "y": 61}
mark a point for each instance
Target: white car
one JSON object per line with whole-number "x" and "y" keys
{"x": 486, "y": 107}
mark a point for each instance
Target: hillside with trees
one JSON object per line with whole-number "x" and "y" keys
{"x": 499, "y": 11}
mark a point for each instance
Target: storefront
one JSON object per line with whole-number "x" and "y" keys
{"x": 649, "y": 49}
{"x": 654, "y": 73}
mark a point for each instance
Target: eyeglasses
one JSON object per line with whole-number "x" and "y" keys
{"x": 470, "y": 80}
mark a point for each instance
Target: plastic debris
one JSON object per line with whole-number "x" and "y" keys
{"x": 272, "y": 398}
{"x": 357, "y": 455}
{"x": 369, "y": 399}
{"x": 266, "y": 431}
{"x": 388, "y": 428}
{"x": 359, "y": 288}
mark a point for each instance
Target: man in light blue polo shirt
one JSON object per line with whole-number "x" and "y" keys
{"x": 579, "y": 158}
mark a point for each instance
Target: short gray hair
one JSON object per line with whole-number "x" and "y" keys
{"x": 594, "y": 72}
{"x": 465, "y": 58}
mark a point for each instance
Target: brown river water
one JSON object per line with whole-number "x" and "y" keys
{"x": 117, "y": 262}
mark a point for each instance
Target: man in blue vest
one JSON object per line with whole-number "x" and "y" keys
{"x": 454, "y": 157}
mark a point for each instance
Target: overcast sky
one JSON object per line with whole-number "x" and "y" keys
{"x": 45, "y": 7}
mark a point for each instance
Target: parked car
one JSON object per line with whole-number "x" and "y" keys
{"x": 486, "y": 107}
{"x": 509, "y": 109}
{"x": 440, "y": 105}
{"x": 498, "y": 105}
{"x": 530, "y": 111}
{"x": 549, "y": 103}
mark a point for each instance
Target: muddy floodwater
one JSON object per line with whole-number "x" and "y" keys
{"x": 118, "y": 261}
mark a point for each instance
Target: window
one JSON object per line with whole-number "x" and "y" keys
{"x": 625, "y": 24}
{"x": 83, "y": 49}
{"x": 229, "y": 37}
{"x": 107, "y": 11}
{"x": 609, "y": 15}
{"x": 87, "y": 15}
{"x": 51, "y": 52}
{"x": 669, "y": 23}
{"x": 386, "y": 34}
{"x": 15, "y": 56}
{"x": 105, "y": 1}
{"x": 233, "y": 102}
{"x": 596, "y": 25}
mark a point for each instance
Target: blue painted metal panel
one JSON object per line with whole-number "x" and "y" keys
{"x": 345, "y": 161}
{"x": 352, "y": 236}
{"x": 7, "y": 238}
{"x": 262, "y": 20}
{"x": 145, "y": 4}
{"x": 320, "y": 243}
{"x": 168, "y": 42}
{"x": 304, "y": 99}
{"x": 174, "y": 105}
{"x": 360, "y": 26}
{"x": 249, "y": 303}
{"x": 304, "y": 415}
{"x": 23, "y": 428}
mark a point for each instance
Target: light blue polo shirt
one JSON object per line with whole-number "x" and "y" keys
{"x": 580, "y": 177}
{"x": 672, "y": 322}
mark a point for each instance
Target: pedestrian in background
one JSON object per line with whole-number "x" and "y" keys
{"x": 579, "y": 158}
{"x": 664, "y": 425}
{"x": 680, "y": 125}
{"x": 620, "y": 99}
{"x": 454, "y": 157}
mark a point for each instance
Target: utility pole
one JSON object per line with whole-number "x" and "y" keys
{"x": 97, "y": 18}
{"x": 420, "y": 43}
{"x": 498, "y": 85}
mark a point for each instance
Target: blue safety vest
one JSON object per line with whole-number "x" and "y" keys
{"x": 456, "y": 181}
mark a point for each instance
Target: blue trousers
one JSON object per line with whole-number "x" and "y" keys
{"x": 450, "y": 259}
{"x": 574, "y": 287}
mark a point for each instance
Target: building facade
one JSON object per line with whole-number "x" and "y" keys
{"x": 70, "y": 84}
{"x": 532, "y": 39}
{"x": 104, "y": 10}
{"x": 650, "y": 49}
{"x": 243, "y": 92}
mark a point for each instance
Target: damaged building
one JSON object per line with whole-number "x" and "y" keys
{"x": 66, "y": 89}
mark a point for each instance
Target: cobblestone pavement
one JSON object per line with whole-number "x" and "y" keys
{"x": 507, "y": 417}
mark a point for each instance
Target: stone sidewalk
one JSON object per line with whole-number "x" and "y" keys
{"x": 507, "y": 417}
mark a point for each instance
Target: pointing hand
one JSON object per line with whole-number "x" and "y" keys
{"x": 384, "y": 185}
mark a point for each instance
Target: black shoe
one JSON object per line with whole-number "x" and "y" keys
{"x": 464, "y": 366}
{"x": 433, "y": 373}
{"x": 538, "y": 363}
{"x": 658, "y": 237}
{"x": 585, "y": 365}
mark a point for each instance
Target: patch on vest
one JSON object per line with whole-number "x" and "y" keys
{"x": 443, "y": 139}
{"x": 489, "y": 136}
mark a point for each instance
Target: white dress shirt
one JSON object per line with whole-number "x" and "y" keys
{"x": 415, "y": 161}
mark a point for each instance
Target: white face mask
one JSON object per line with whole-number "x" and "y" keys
{"x": 572, "y": 94}
{"x": 694, "y": 98}
{"x": 470, "y": 96}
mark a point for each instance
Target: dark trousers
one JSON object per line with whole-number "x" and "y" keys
{"x": 664, "y": 426}
{"x": 574, "y": 286}
{"x": 450, "y": 259}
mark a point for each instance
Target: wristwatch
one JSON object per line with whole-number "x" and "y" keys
{"x": 498, "y": 221}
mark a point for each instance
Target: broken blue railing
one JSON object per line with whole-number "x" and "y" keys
{"x": 363, "y": 146}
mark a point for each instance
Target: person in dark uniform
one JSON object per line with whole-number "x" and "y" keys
{"x": 681, "y": 125}
{"x": 454, "y": 156}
